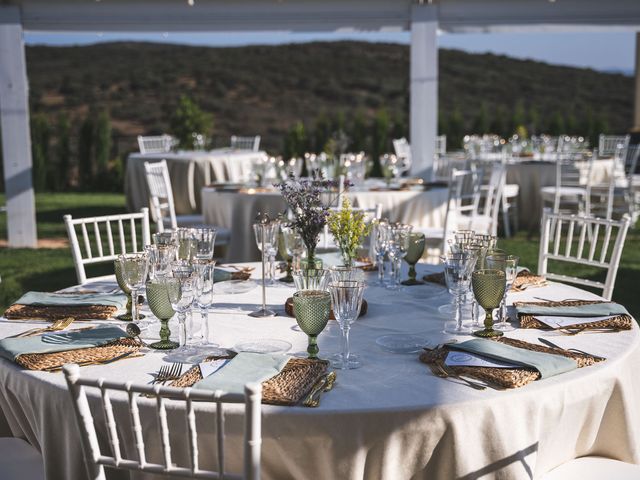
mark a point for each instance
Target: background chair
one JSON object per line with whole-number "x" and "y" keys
{"x": 246, "y": 143}
{"x": 156, "y": 144}
{"x": 130, "y": 232}
{"x": 608, "y": 145}
{"x": 484, "y": 217}
{"x": 584, "y": 241}
{"x": 594, "y": 468}
{"x": 402, "y": 149}
{"x": 571, "y": 192}
{"x": 96, "y": 458}
{"x": 162, "y": 206}
{"x": 19, "y": 460}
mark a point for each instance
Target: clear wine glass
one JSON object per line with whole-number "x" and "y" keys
{"x": 181, "y": 291}
{"x": 160, "y": 259}
{"x": 346, "y": 299}
{"x": 398, "y": 245}
{"x": 270, "y": 238}
{"x": 379, "y": 236}
{"x": 187, "y": 244}
{"x": 134, "y": 268}
{"x": 457, "y": 272}
{"x": 204, "y": 281}
{"x": 168, "y": 237}
{"x": 205, "y": 239}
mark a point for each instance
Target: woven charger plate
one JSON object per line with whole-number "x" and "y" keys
{"x": 289, "y": 387}
{"x": 620, "y": 322}
{"x": 104, "y": 353}
{"x": 288, "y": 308}
{"x": 506, "y": 377}
{"x": 57, "y": 312}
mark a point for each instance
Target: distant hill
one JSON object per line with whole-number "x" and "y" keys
{"x": 266, "y": 89}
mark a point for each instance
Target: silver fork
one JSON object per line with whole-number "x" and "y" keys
{"x": 168, "y": 372}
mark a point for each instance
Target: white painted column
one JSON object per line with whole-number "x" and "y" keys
{"x": 636, "y": 110}
{"x": 424, "y": 88}
{"x": 16, "y": 137}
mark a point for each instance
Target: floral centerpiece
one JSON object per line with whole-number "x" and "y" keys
{"x": 304, "y": 198}
{"x": 348, "y": 229}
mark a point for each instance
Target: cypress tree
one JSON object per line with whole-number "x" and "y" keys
{"x": 63, "y": 153}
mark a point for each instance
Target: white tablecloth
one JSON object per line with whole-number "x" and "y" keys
{"x": 237, "y": 211}
{"x": 532, "y": 176}
{"x": 391, "y": 419}
{"x": 222, "y": 165}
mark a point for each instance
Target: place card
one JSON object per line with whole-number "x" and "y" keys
{"x": 466, "y": 359}
{"x": 563, "y": 322}
{"x": 209, "y": 368}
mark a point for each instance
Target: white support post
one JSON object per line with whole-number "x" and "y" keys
{"x": 16, "y": 137}
{"x": 636, "y": 110}
{"x": 424, "y": 88}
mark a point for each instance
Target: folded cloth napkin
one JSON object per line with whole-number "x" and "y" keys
{"x": 547, "y": 364}
{"x": 11, "y": 348}
{"x": 69, "y": 299}
{"x": 589, "y": 310}
{"x": 244, "y": 368}
{"x": 220, "y": 274}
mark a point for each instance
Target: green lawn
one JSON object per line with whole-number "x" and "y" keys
{"x": 51, "y": 268}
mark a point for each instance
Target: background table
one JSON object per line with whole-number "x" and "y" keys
{"x": 189, "y": 172}
{"x": 237, "y": 211}
{"x": 391, "y": 419}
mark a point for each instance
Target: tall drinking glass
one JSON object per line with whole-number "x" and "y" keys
{"x": 488, "y": 288}
{"x": 261, "y": 230}
{"x": 267, "y": 245}
{"x": 134, "y": 268}
{"x": 457, "y": 273}
{"x": 398, "y": 245}
{"x": 509, "y": 265}
{"x": 181, "y": 292}
{"x": 379, "y": 235}
{"x": 205, "y": 239}
{"x": 346, "y": 299}
{"x": 204, "y": 299}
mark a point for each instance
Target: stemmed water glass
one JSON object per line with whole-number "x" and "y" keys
{"x": 311, "y": 309}
{"x": 134, "y": 268}
{"x": 413, "y": 255}
{"x": 260, "y": 230}
{"x": 509, "y": 265}
{"x": 204, "y": 281}
{"x": 205, "y": 239}
{"x": 160, "y": 259}
{"x": 346, "y": 299}
{"x": 268, "y": 250}
{"x": 488, "y": 288}
{"x": 158, "y": 298}
{"x": 292, "y": 248}
{"x": 457, "y": 272}
{"x": 187, "y": 244}
{"x": 167, "y": 237}
{"x": 398, "y": 244}
{"x": 379, "y": 241}
{"x": 181, "y": 292}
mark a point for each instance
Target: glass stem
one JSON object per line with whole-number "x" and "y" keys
{"x": 204, "y": 329}
{"x": 488, "y": 319}
{"x": 398, "y": 262}
{"x": 381, "y": 268}
{"x": 458, "y": 306}
{"x": 345, "y": 344}
{"x": 190, "y": 325}
{"x": 135, "y": 316}
{"x": 182, "y": 329}
{"x": 264, "y": 290}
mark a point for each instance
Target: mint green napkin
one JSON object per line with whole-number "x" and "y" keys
{"x": 590, "y": 310}
{"x": 75, "y": 299}
{"x": 244, "y": 368}
{"x": 220, "y": 275}
{"x": 547, "y": 364}
{"x": 52, "y": 342}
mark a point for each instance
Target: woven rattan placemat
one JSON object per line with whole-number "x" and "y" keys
{"x": 56, "y": 312}
{"x": 101, "y": 354}
{"x": 289, "y": 387}
{"x": 619, "y": 322}
{"x": 505, "y": 377}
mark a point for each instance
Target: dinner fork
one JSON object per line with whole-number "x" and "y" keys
{"x": 446, "y": 372}
{"x": 167, "y": 372}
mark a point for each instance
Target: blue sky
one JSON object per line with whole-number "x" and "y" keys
{"x": 601, "y": 51}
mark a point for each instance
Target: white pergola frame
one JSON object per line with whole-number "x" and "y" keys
{"x": 423, "y": 19}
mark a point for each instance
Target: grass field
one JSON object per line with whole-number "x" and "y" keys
{"x": 49, "y": 269}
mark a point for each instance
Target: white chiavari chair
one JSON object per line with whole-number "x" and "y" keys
{"x": 594, "y": 468}
{"x": 19, "y": 460}
{"x": 97, "y": 457}
{"x": 162, "y": 205}
{"x": 245, "y": 143}
{"x": 155, "y": 144}
{"x": 104, "y": 238}
{"x": 588, "y": 241}
{"x": 571, "y": 191}
{"x": 484, "y": 217}
{"x": 441, "y": 145}
{"x": 402, "y": 149}
{"x": 608, "y": 145}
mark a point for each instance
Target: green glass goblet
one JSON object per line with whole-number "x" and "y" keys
{"x": 128, "y": 316}
{"x": 488, "y": 288}
{"x": 413, "y": 255}
{"x": 158, "y": 299}
{"x": 312, "y": 308}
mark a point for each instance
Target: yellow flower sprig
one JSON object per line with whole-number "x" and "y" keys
{"x": 348, "y": 229}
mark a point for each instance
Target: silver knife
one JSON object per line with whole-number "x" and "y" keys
{"x": 549, "y": 343}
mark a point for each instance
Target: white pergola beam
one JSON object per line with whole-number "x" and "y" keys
{"x": 16, "y": 140}
{"x": 424, "y": 89}
{"x": 324, "y": 16}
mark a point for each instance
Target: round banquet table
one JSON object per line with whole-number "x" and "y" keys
{"x": 189, "y": 172}
{"x": 391, "y": 419}
{"x": 237, "y": 211}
